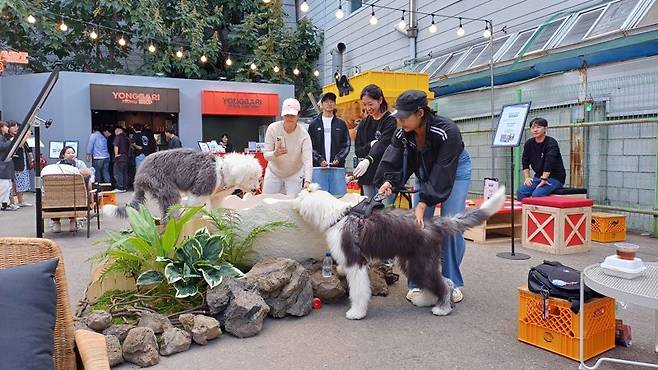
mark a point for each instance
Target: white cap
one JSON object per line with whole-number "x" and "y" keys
{"x": 290, "y": 107}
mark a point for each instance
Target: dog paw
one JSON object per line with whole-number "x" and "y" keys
{"x": 423, "y": 299}
{"x": 443, "y": 310}
{"x": 353, "y": 314}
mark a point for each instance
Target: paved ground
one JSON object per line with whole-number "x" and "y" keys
{"x": 480, "y": 334}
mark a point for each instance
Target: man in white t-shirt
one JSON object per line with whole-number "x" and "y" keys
{"x": 331, "y": 145}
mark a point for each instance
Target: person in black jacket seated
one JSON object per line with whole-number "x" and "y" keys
{"x": 373, "y": 136}
{"x": 437, "y": 156}
{"x": 331, "y": 145}
{"x": 542, "y": 153}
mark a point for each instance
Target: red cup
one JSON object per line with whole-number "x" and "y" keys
{"x": 317, "y": 304}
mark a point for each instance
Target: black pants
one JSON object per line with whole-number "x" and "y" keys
{"x": 121, "y": 174}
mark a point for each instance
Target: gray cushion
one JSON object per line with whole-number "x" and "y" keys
{"x": 28, "y": 302}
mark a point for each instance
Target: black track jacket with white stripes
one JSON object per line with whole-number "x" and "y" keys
{"x": 435, "y": 167}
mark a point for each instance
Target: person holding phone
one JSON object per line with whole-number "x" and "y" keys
{"x": 288, "y": 152}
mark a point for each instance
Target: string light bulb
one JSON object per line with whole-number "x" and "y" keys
{"x": 340, "y": 13}
{"x": 433, "y": 27}
{"x": 93, "y": 35}
{"x": 63, "y": 27}
{"x": 304, "y": 7}
{"x": 122, "y": 41}
{"x": 487, "y": 32}
{"x": 373, "y": 19}
{"x": 179, "y": 53}
{"x": 203, "y": 59}
{"x": 151, "y": 48}
{"x": 31, "y": 19}
{"x": 253, "y": 66}
{"x": 266, "y": 1}
{"x": 276, "y": 69}
{"x": 295, "y": 71}
{"x": 460, "y": 30}
{"x": 229, "y": 62}
{"x": 316, "y": 73}
{"x": 402, "y": 24}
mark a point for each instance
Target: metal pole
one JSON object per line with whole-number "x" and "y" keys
{"x": 37, "y": 177}
{"x": 655, "y": 205}
{"x": 493, "y": 121}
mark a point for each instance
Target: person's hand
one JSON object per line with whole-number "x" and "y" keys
{"x": 419, "y": 212}
{"x": 324, "y": 164}
{"x": 527, "y": 181}
{"x": 543, "y": 183}
{"x": 85, "y": 172}
{"x": 334, "y": 163}
{"x": 386, "y": 189}
{"x": 361, "y": 168}
{"x": 88, "y": 158}
{"x": 281, "y": 151}
{"x": 372, "y": 143}
{"x": 307, "y": 184}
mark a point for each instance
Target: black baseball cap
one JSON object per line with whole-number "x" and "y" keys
{"x": 328, "y": 96}
{"x": 408, "y": 103}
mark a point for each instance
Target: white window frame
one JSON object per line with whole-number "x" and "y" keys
{"x": 550, "y": 39}
{"x": 627, "y": 23}
{"x": 449, "y": 55}
{"x": 497, "y": 54}
{"x": 452, "y": 55}
{"x": 516, "y": 37}
{"x": 575, "y": 20}
{"x": 467, "y": 52}
{"x": 641, "y": 13}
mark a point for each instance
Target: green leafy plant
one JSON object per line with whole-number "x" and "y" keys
{"x": 195, "y": 262}
{"x": 238, "y": 249}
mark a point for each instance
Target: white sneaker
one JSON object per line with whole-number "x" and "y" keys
{"x": 25, "y": 204}
{"x": 412, "y": 293}
{"x": 57, "y": 227}
{"x": 457, "y": 295}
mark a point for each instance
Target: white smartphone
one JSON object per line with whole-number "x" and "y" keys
{"x": 280, "y": 142}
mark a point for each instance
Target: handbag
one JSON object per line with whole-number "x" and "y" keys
{"x": 42, "y": 162}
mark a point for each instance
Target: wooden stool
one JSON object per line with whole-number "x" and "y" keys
{"x": 557, "y": 225}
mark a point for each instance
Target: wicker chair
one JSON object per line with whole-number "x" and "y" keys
{"x": 90, "y": 345}
{"x": 67, "y": 195}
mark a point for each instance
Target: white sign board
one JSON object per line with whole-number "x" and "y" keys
{"x": 511, "y": 124}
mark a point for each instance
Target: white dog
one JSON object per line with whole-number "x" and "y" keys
{"x": 389, "y": 233}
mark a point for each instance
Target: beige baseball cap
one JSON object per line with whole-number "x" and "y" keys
{"x": 290, "y": 107}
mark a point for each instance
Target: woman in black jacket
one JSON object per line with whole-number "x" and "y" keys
{"x": 22, "y": 159}
{"x": 373, "y": 135}
{"x": 6, "y": 169}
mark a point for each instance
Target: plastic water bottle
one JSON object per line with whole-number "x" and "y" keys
{"x": 327, "y": 265}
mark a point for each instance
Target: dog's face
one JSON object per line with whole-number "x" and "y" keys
{"x": 318, "y": 207}
{"x": 241, "y": 171}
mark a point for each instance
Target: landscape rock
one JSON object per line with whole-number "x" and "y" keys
{"x": 155, "y": 321}
{"x": 378, "y": 285}
{"x": 120, "y": 331}
{"x": 187, "y": 320}
{"x": 245, "y": 314}
{"x": 205, "y": 328}
{"x": 328, "y": 289}
{"x": 114, "y": 352}
{"x": 141, "y": 347}
{"x": 218, "y": 298}
{"x": 99, "y": 320}
{"x": 174, "y": 340}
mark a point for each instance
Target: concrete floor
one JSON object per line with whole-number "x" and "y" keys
{"x": 480, "y": 334}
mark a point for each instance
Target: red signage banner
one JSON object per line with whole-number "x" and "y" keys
{"x": 231, "y": 103}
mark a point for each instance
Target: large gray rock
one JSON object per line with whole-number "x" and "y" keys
{"x": 187, "y": 321}
{"x": 205, "y": 328}
{"x": 141, "y": 347}
{"x": 245, "y": 314}
{"x": 284, "y": 284}
{"x": 328, "y": 289}
{"x": 120, "y": 331}
{"x": 114, "y": 353}
{"x": 99, "y": 320}
{"x": 155, "y": 321}
{"x": 378, "y": 285}
{"x": 219, "y": 297}
{"x": 174, "y": 340}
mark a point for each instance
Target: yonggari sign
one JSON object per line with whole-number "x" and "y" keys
{"x": 133, "y": 98}
{"x": 236, "y": 103}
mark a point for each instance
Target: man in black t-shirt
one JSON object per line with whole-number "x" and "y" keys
{"x": 542, "y": 153}
{"x": 143, "y": 144}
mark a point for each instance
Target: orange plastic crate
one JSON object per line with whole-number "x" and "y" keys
{"x": 106, "y": 198}
{"x": 560, "y": 332}
{"x": 608, "y": 227}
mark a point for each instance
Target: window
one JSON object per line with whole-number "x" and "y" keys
{"x": 543, "y": 35}
{"x": 581, "y": 26}
{"x": 354, "y": 5}
{"x": 649, "y": 16}
{"x": 437, "y": 63}
{"x": 518, "y": 43}
{"x": 445, "y": 68}
{"x": 468, "y": 58}
{"x": 614, "y": 18}
{"x": 485, "y": 55}
{"x": 420, "y": 66}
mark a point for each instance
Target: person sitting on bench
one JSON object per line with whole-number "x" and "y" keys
{"x": 542, "y": 153}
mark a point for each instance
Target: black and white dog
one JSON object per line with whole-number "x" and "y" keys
{"x": 169, "y": 174}
{"x": 386, "y": 234}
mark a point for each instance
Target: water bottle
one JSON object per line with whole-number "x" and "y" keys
{"x": 327, "y": 265}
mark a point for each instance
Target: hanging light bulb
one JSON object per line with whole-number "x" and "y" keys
{"x": 340, "y": 13}
{"x": 93, "y": 35}
{"x": 373, "y": 19}
{"x": 179, "y": 53}
{"x": 295, "y": 71}
{"x": 402, "y": 24}
{"x": 460, "y": 30}
{"x": 316, "y": 73}
{"x": 203, "y": 59}
{"x": 31, "y": 19}
{"x": 122, "y": 41}
{"x": 433, "y": 27}
{"x": 253, "y": 66}
{"x": 151, "y": 48}
{"x": 267, "y": 1}
{"x": 63, "y": 27}
{"x": 229, "y": 62}
{"x": 304, "y": 7}
{"x": 276, "y": 69}
{"x": 487, "y": 31}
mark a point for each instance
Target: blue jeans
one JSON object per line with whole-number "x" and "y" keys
{"x": 138, "y": 161}
{"x": 331, "y": 179}
{"x": 533, "y": 191}
{"x": 102, "y": 168}
{"x": 454, "y": 246}
{"x": 370, "y": 191}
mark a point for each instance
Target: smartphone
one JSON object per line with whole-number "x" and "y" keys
{"x": 280, "y": 142}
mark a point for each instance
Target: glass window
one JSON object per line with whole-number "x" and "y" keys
{"x": 614, "y": 17}
{"x": 437, "y": 64}
{"x": 485, "y": 55}
{"x": 518, "y": 43}
{"x": 419, "y": 67}
{"x": 581, "y": 26}
{"x": 543, "y": 35}
{"x": 469, "y": 58}
{"x": 445, "y": 68}
{"x": 354, "y": 5}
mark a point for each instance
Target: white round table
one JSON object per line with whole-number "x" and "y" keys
{"x": 642, "y": 291}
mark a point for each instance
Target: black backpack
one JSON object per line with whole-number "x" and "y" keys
{"x": 553, "y": 279}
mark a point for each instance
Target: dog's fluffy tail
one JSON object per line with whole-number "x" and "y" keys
{"x": 470, "y": 218}
{"x": 121, "y": 212}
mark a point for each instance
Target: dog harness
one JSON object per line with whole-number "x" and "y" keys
{"x": 361, "y": 212}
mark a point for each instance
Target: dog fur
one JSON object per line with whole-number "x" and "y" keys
{"x": 168, "y": 174}
{"x": 387, "y": 234}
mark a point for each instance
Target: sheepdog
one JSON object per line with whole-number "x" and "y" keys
{"x": 169, "y": 174}
{"x": 389, "y": 233}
